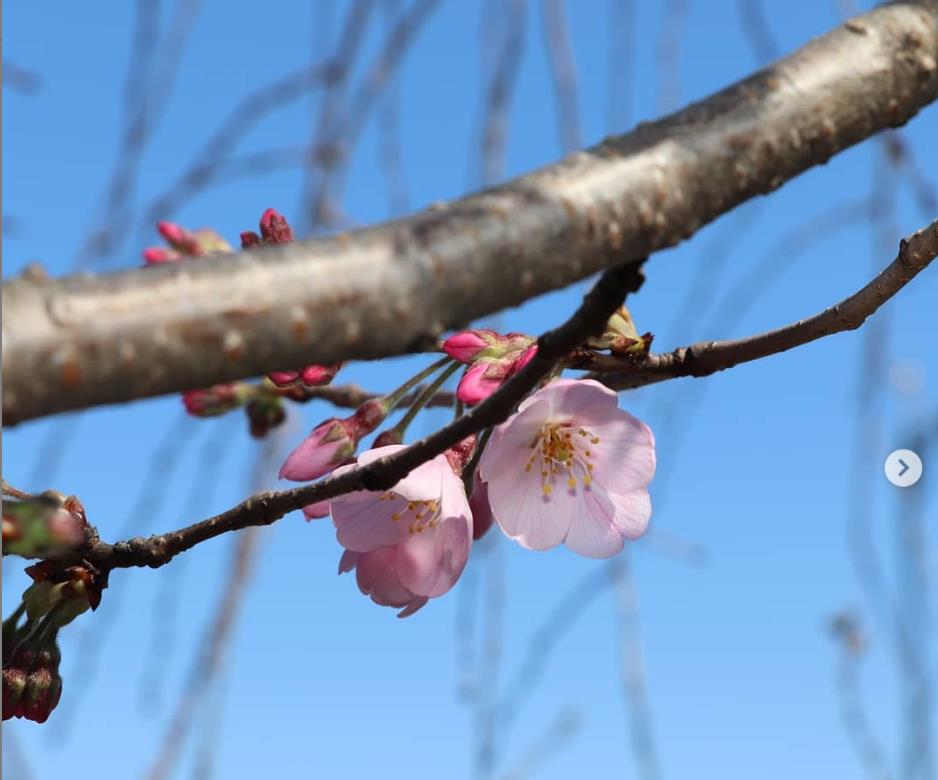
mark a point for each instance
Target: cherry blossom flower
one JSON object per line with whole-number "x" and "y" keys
{"x": 571, "y": 467}
{"x": 411, "y": 543}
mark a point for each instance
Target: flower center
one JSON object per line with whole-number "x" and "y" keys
{"x": 561, "y": 450}
{"x": 419, "y": 515}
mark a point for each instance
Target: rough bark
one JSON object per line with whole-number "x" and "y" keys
{"x": 83, "y": 341}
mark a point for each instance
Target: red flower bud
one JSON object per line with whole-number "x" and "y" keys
{"x": 212, "y": 401}
{"x": 275, "y": 229}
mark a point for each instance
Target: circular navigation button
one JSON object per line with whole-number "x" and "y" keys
{"x": 903, "y": 468}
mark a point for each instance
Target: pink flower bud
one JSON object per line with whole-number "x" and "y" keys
{"x": 211, "y": 401}
{"x": 159, "y": 254}
{"x": 316, "y": 375}
{"x": 466, "y": 345}
{"x": 284, "y": 378}
{"x": 484, "y": 377}
{"x": 249, "y": 238}
{"x": 480, "y": 381}
{"x": 179, "y": 238}
{"x": 328, "y": 445}
{"x": 275, "y": 229}
{"x": 313, "y": 375}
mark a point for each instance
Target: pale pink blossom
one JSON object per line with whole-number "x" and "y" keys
{"x": 408, "y": 544}
{"x": 571, "y": 467}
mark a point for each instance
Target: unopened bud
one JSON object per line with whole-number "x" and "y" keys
{"x": 621, "y": 336}
{"x": 43, "y": 525}
{"x": 212, "y": 401}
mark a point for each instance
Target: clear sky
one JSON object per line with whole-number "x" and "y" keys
{"x": 756, "y": 465}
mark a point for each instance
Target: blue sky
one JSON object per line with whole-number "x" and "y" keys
{"x": 755, "y": 463}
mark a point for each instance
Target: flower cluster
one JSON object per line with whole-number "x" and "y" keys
{"x": 568, "y": 467}
{"x": 32, "y": 684}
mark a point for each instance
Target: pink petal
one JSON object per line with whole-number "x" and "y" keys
{"x": 418, "y": 602}
{"x": 624, "y": 459}
{"x": 348, "y": 561}
{"x": 364, "y": 522}
{"x": 429, "y": 563}
{"x": 422, "y": 484}
{"x": 593, "y": 531}
{"x": 510, "y": 445}
{"x": 568, "y": 398}
{"x": 633, "y": 511}
{"x": 524, "y": 513}
{"x": 317, "y": 511}
{"x": 376, "y": 574}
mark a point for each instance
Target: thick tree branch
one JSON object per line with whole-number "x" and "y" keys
{"x": 84, "y": 341}
{"x": 266, "y": 508}
{"x": 708, "y": 357}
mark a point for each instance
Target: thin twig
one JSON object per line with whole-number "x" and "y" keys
{"x": 705, "y": 358}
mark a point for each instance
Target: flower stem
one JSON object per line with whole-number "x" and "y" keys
{"x": 401, "y": 428}
{"x": 14, "y": 618}
{"x": 394, "y": 398}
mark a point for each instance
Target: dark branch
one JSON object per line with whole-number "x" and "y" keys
{"x": 266, "y": 508}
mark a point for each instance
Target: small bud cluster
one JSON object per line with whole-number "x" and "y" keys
{"x": 263, "y": 406}
{"x": 32, "y": 685}
{"x": 184, "y": 243}
{"x": 62, "y": 594}
{"x": 491, "y": 358}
